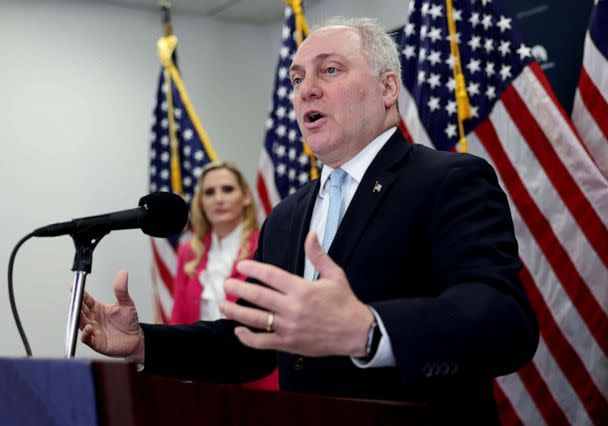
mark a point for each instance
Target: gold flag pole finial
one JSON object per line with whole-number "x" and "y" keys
{"x": 462, "y": 99}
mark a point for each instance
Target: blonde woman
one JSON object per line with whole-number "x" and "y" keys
{"x": 225, "y": 231}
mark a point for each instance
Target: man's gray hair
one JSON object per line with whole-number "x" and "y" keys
{"x": 379, "y": 47}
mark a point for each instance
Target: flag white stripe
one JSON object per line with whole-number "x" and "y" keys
{"x": 590, "y": 133}
{"x": 166, "y": 253}
{"x": 161, "y": 290}
{"x": 266, "y": 169}
{"x": 595, "y": 64}
{"x": 520, "y": 399}
{"x": 566, "y": 229}
{"x": 580, "y": 338}
{"x": 557, "y": 301}
{"x": 576, "y": 160}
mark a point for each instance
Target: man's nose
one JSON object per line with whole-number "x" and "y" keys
{"x": 310, "y": 88}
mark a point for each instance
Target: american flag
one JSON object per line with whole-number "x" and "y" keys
{"x": 179, "y": 148}
{"x": 590, "y": 112}
{"x": 558, "y": 197}
{"x": 285, "y": 164}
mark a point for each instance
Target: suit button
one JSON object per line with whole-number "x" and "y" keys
{"x": 427, "y": 370}
{"x": 298, "y": 363}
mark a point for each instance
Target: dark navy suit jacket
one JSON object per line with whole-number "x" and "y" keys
{"x": 433, "y": 252}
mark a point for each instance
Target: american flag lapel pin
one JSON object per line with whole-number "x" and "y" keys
{"x": 377, "y": 187}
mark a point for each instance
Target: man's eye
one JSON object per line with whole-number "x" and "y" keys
{"x": 331, "y": 70}
{"x": 295, "y": 81}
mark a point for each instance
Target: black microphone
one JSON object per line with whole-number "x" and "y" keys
{"x": 160, "y": 214}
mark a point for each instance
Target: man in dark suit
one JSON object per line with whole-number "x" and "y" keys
{"x": 418, "y": 296}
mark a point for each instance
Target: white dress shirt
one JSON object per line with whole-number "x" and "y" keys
{"x": 220, "y": 262}
{"x": 355, "y": 169}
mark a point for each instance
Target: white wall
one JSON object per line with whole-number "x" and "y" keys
{"x": 77, "y": 88}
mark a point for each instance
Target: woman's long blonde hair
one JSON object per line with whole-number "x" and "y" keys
{"x": 200, "y": 223}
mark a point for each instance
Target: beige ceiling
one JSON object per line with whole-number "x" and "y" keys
{"x": 254, "y": 11}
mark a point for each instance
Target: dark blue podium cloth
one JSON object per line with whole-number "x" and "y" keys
{"x": 47, "y": 392}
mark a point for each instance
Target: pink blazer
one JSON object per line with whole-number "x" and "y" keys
{"x": 187, "y": 291}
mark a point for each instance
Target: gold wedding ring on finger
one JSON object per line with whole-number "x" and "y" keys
{"x": 270, "y": 322}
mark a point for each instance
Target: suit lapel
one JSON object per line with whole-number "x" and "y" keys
{"x": 300, "y": 225}
{"x": 374, "y": 186}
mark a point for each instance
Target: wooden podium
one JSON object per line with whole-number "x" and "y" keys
{"x": 125, "y": 397}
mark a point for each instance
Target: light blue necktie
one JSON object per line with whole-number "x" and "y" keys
{"x": 336, "y": 180}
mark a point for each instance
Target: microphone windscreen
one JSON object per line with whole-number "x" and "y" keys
{"x": 167, "y": 214}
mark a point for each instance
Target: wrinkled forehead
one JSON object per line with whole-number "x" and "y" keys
{"x": 336, "y": 40}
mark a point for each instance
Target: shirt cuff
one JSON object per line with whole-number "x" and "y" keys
{"x": 384, "y": 356}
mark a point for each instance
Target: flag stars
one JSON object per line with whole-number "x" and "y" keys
{"x": 456, "y": 36}
{"x": 435, "y": 34}
{"x": 281, "y": 131}
{"x": 284, "y": 52}
{"x": 282, "y": 73}
{"x": 486, "y": 21}
{"x": 196, "y": 172}
{"x": 451, "y": 84}
{"x": 281, "y": 111}
{"x": 152, "y": 154}
{"x": 164, "y": 123}
{"x": 303, "y": 178}
{"x": 164, "y": 141}
{"x": 488, "y": 45}
{"x": 451, "y": 107}
{"x": 474, "y": 66}
{"x": 409, "y": 51}
{"x": 426, "y": 9}
{"x": 490, "y": 69}
{"x": 292, "y": 154}
{"x": 422, "y": 54}
{"x": 421, "y": 77}
{"x": 282, "y": 92}
{"x": 163, "y": 106}
{"x": 279, "y": 150}
{"x": 409, "y": 29}
{"x": 303, "y": 159}
{"x": 475, "y": 43}
{"x": 473, "y": 88}
{"x": 187, "y": 150}
{"x": 505, "y": 72}
{"x": 164, "y": 157}
{"x": 504, "y": 48}
{"x": 524, "y": 51}
{"x": 187, "y": 134}
{"x": 474, "y": 19}
{"x": 164, "y": 174}
{"x": 177, "y": 112}
{"x": 450, "y": 61}
{"x": 434, "y": 57}
{"x": 292, "y": 115}
{"x": 457, "y": 14}
{"x": 474, "y": 111}
{"x": 291, "y": 175}
{"x": 153, "y": 170}
{"x": 292, "y": 135}
{"x": 286, "y": 32}
{"x": 433, "y": 103}
{"x": 434, "y": 80}
{"x": 450, "y": 130}
{"x": 269, "y": 123}
{"x": 504, "y": 23}
{"x": 435, "y": 11}
{"x": 491, "y": 92}
{"x": 199, "y": 155}
{"x": 281, "y": 169}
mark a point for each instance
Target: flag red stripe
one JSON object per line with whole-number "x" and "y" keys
{"x": 568, "y": 360}
{"x": 594, "y": 101}
{"x": 165, "y": 274}
{"x": 558, "y": 258}
{"x": 541, "y": 396}
{"x": 404, "y": 131}
{"x": 263, "y": 194}
{"x": 582, "y": 211}
{"x": 508, "y": 416}
{"x": 160, "y": 311}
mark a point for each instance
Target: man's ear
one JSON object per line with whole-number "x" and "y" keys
{"x": 390, "y": 88}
